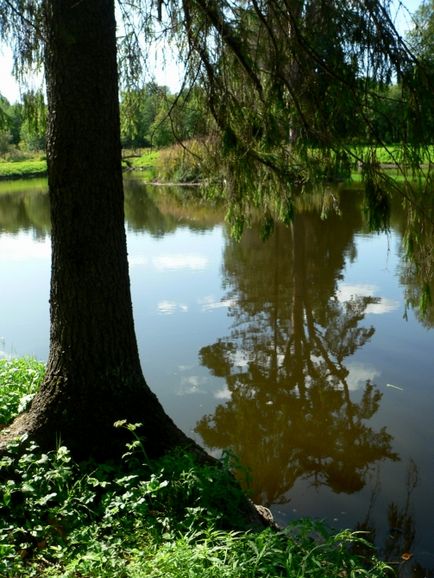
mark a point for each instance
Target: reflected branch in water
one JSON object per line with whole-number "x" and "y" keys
{"x": 290, "y": 414}
{"x": 399, "y": 547}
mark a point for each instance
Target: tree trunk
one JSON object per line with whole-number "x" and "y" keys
{"x": 93, "y": 374}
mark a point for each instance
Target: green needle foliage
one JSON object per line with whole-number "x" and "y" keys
{"x": 171, "y": 518}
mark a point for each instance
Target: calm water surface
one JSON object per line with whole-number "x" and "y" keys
{"x": 299, "y": 353}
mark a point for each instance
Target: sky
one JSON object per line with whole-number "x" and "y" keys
{"x": 170, "y": 74}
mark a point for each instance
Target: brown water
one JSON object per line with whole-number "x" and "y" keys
{"x": 298, "y": 354}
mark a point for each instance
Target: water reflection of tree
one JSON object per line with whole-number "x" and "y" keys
{"x": 158, "y": 211}
{"x": 417, "y": 268}
{"x": 161, "y": 210}
{"x": 398, "y": 546}
{"x": 290, "y": 413}
{"x": 25, "y": 210}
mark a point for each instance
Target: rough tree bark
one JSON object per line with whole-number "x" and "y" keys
{"x": 93, "y": 374}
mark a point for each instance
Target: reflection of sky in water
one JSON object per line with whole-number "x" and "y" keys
{"x": 209, "y": 303}
{"x": 170, "y": 307}
{"x": 223, "y": 394}
{"x": 192, "y": 384}
{"x": 22, "y": 247}
{"x": 24, "y": 291}
{"x": 346, "y": 292}
{"x": 359, "y": 374}
{"x": 171, "y": 262}
{"x": 180, "y": 306}
{"x": 179, "y": 261}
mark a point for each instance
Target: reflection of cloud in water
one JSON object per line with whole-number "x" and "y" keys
{"x": 137, "y": 260}
{"x": 384, "y": 306}
{"x": 240, "y": 358}
{"x": 347, "y": 292}
{"x": 171, "y": 307}
{"x": 223, "y": 393}
{"x": 180, "y": 261}
{"x": 209, "y": 303}
{"x": 24, "y": 248}
{"x": 185, "y": 367}
{"x": 359, "y": 374}
{"x": 191, "y": 384}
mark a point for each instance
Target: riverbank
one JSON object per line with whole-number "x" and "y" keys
{"x": 31, "y": 167}
{"x": 174, "y": 165}
{"x": 172, "y": 517}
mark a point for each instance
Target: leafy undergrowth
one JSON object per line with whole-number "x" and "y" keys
{"x": 166, "y": 518}
{"x": 19, "y": 381}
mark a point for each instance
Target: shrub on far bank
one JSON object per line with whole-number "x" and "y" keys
{"x": 182, "y": 163}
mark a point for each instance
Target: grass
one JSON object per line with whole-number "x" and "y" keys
{"x": 24, "y": 165}
{"x": 393, "y": 154}
{"x": 144, "y": 160}
{"x": 173, "y": 165}
{"x": 22, "y": 168}
{"x": 168, "y": 518}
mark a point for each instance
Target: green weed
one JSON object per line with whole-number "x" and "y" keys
{"x": 171, "y": 518}
{"x": 19, "y": 381}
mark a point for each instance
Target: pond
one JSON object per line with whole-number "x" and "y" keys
{"x": 299, "y": 354}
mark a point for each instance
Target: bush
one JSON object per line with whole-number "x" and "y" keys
{"x": 182, "y": 163}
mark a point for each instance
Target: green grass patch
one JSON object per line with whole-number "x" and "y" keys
{"x": 145, "y": 161}
{"x": 171, "y": 518}
{"x": 22, "y": 168}
{"x": 395, "y": 154}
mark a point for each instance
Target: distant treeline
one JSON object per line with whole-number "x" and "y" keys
{"x": 150, "y": 116}
{"x": 153, "y": 117}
